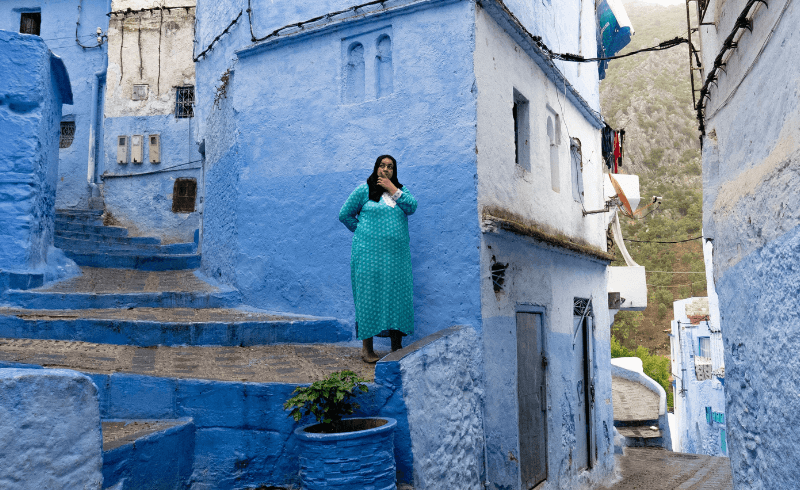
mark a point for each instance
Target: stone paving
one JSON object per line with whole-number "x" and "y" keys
{"x": 104, "y": 281}
{"x": 162, "y": 315}
{"x": 658, "y": 469}
{"x": 633, "y": 401}
{"x": 286, "y": 363}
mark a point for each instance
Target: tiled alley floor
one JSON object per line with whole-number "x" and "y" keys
{"x": 657, "y": 469}
{"x": 286, "y": 363}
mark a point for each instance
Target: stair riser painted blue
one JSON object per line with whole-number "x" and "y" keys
{"x": 80, "y": 219}
{"x": 159, "y": 460}
{"x": 139, "y": 248}
{"x": 68, "y": 301}
{"x": 138, "y": 261}
{"x": 98, "y": 230}
{"x": 110, "y": 240}
{"x": 147, "y": 333}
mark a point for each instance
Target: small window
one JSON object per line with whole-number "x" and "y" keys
{"x": 184, "y": 193}
{"x": 30, "y": 23}
{"x": 67, "y": 134}
{"x": 184, "y": 101}
{"x": 522, "y": 151}
{"x": 704, "y": 347}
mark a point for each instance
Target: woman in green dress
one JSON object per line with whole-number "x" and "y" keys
{"x": 380, "y": 261}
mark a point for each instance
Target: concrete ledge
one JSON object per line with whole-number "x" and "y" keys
{"x": 158, "y": 459}
{"x": 50, "y": 426}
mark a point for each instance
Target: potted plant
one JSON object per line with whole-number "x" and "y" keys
{"x": 338, "y": 452}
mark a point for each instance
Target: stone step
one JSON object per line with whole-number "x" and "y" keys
{"x": 80, "y": 212}
{"x": 82, "y": 219}
{"x": 80, "y": 245}
{"x": 640, "y": 431}
{"x": 37, "y": 299}
{"x": 134, "y": 260}
{"x": 146, "y": 327}
{"x": 64, "y": 225}
{"x": 147, "y": 453}
{"x": 284, "y": 363}
{"x": 108, "y": 240}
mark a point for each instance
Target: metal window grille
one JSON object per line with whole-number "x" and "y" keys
{"x": 184, "y": 194}
{"x": 184, "y": 101}
{"x": 498, "y": 276}
{"x": 581, "y": 305}
{"x": 30, "y": 23}
{"x": 67, "y": 134}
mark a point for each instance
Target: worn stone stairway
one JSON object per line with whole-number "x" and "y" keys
{"x": 636, "y": 413}
{"x": 189, "y": 378}
{"x": 84, "y": 239}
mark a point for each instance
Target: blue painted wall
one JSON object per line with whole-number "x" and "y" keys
{"x": 543, "y": 279}
{"x": 35, "y": 85}
{"x": 50, "y": 421}
{"x": 299, "y": 157}
{"x": 139, "y": 196}
{"x": 751, "y": 210}
{"x": 58, "y": 31}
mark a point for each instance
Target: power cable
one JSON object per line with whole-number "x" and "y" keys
{"x": 677, "y": 41}
{"x": 653, "y": 241}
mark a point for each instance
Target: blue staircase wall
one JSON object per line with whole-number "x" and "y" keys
{"x": 35, "y": 85}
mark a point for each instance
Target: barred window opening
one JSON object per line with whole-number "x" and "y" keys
{"x": 184, "y": 101}
{"x": 184, "y": 194}
{"x": 30, "y": 23}
{"x": 67, "y": 134}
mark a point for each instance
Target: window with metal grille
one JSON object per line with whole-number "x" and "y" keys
{"x": 184, "y": 193}
{"x": 30, "y": 23}
{"x": 67, "y": 134}
{"x": 184, "y": 101}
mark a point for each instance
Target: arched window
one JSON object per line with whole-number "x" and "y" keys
{"x": 354, "y": 74}
{"x": 384, "y": 83}
{"x": 577, "y": 169}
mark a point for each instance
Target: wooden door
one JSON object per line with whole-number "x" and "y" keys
{"x": 532, "y": 394}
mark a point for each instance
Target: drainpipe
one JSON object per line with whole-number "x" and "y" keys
{"x": 91, "y": 171}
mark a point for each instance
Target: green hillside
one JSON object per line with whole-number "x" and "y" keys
{"x": 649, "y": 95}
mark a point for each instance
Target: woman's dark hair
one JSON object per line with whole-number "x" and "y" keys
{"x": 376, "y": 191}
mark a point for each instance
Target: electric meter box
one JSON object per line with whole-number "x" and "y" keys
{"x": 122, "y": 149}
{"x": 155, "y": 148}
{"x": 137, "y": 148}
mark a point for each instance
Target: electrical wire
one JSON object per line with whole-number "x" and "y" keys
{"x": 677, "y": 41}
{"x": 677, "y": 272}
{"x": 750, "y": 68}
{"x": 214, "y": 41}
{"x": 653, "y": 241}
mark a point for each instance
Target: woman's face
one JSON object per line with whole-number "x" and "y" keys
{"x": 386, "y": 168}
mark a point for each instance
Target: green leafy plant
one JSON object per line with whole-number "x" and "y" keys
{"x": 328, "y": 400}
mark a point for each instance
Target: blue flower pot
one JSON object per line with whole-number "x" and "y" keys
{"x": 362, "y": 459}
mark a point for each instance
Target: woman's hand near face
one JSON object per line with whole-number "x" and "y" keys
{"x": 387, "y": 184}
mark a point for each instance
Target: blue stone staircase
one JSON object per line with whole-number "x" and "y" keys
{"x": 80, "y": 233}
{"x": 203, "y": 376}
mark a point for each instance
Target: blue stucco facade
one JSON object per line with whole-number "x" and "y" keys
{"x": 299, "y": 157}
{"x": 36, "y": 86}
{"x": 86, "y": 69}
{"x": 750, "y": 212}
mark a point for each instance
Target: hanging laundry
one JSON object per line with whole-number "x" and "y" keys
{"x": 617, "y": 152}
{"x": 608, "y": 146}
{"x": 621, "y": 146}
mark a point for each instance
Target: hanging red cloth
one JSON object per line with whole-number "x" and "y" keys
{"x": 617, "y": 151}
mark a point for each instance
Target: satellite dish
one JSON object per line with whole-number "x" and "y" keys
{"x": 626, "y": 205}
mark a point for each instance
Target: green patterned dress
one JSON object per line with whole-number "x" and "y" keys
{"x": 380, "y": 261}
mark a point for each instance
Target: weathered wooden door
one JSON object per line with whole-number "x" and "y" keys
{"x": 532, "y": 394}
{"x": 584, "y": 392}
